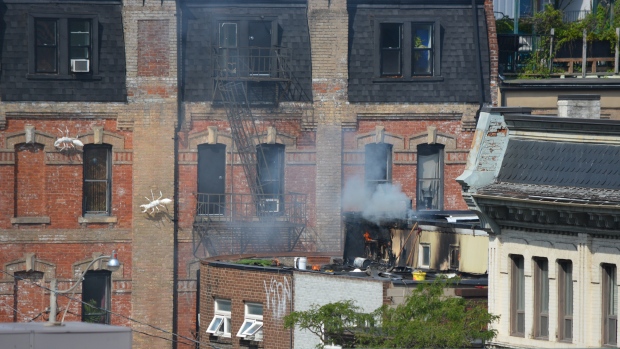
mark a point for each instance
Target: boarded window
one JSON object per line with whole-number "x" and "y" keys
{"x": 517, "y": 296}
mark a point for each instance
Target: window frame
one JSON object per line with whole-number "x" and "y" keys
{"x": 541, "y": 298}
{"x": 270, "y": 174}
{"x": 63, "y": 55}
{"x": 565, "y": 297}
{"x": 385, "y": 150}
{"x": 609, "y": 291}
{"x": 517, "y": 295}
{"x": 454, "y": 255}
{"x": 108, "y": 181}
{"x": 423, "y": 246}
{"x": 252, "y": 324}
{"x": 95, "y": 275}
{"x": 223, "y": 315}
{"x": 430, "y": 149}
{"x": 407, "y": 49}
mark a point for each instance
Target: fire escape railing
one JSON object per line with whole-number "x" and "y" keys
{"x": 230, "y": 207}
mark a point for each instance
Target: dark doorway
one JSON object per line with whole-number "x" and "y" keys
{"x": 211, "y": 179}
{"x": 259, "y": 43}
{"x": 271, "y": 177}
{"x": 96, "y": 296}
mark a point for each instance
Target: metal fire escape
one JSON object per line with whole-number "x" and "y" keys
{"x": 247, "y": 222}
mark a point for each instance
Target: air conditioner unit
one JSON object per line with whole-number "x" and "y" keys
{"x": 271, "y": 205}
{"x": 80, "y": 65}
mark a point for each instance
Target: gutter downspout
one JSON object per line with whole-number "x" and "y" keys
{"x": 175, "y": 220}
{"x": 476, "y": 32}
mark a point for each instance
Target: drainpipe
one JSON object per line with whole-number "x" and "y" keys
{"x": 476, "y": 33}
{"x": 175, "y": 220}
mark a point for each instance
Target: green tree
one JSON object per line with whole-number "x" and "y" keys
{"x": 427, "y": 319}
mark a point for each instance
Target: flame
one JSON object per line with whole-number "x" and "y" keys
{"x": 367, "y": 236}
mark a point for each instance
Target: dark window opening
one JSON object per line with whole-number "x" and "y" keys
{"x": 517, "y": 297}
{"x": 610, "y": 305}
{"x": 377, "y": 165}
{"x": 97, "y": 179}
{"x": 96, "y": 296}
{"x": 565, "y": 300}
{"x": 541, "y": 298}
{"x": 455, "y": 256}
{"x": 46, "y": 36}
{"x": 270, "y": 170}
{"x": 391, "y": 49}
{"x": 430, "y": 177}
{"x": 79, "y": 41}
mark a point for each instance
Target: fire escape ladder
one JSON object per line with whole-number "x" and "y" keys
{"x": 292, "y": 89}
{"x": 243, "y": 129}
{"x": 202, "y": 245}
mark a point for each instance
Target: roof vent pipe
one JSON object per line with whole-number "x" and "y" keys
{"x": 579, "y": 106}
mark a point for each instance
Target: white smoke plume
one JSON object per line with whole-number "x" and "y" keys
{"x": 386, "y": 202}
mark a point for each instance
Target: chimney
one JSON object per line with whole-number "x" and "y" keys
{"x": 579, "y": 106}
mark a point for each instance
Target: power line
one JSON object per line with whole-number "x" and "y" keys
{"x": 117, "y": 314}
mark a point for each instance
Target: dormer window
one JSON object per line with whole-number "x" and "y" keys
{"x": 63, "y": 46}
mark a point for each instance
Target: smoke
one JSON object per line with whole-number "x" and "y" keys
{"x": 386, "y": 202}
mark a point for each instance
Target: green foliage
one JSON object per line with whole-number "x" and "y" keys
{"x": 332, "y": 322}
{"x": 259, "y": 262}
{"x": 427, "y": 319}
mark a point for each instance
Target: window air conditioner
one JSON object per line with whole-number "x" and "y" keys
{"x": 271, "y": 205}
{"x": 80, "y": 65}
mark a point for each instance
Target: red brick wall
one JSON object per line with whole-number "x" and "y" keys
{"x": 55, "y": 190}
{"x": 405, "y": 174}
{"x": 493, "y": 48}
{"x": 243, "y": 286}
{"x": 32, "y": 300}
{"x": 153, "y": 55}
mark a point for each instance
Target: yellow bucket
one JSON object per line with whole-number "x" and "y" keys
{"x": 419, "y": 275}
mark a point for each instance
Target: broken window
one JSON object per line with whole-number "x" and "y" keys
{"x": 610, "y": 304}
{"x": 377, "y": 165}
{"x": 541, "y": 298}
{"x": 63, "y": 44}
{"x": 407, "y": 49}
{"x": 430, "y": 177}
{"x": 96, "y": 296}
{"x": 270, "y": 170}
{"x": 252, "y": 327}
{"x": 97, "y": 179}
{"x": 517, "y": 296}
{"x": 455, "y": 257}
{"x": 220, "y": 324}
{"x": 565, "y": 300}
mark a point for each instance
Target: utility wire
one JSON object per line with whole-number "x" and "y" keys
{"x": 117, "y": 314}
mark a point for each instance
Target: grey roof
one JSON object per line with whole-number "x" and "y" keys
{"x": 562, "y": 164}
{"x": 556, "y": 194}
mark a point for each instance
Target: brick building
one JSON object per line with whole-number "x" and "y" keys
{"x": 252, "y": 116}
